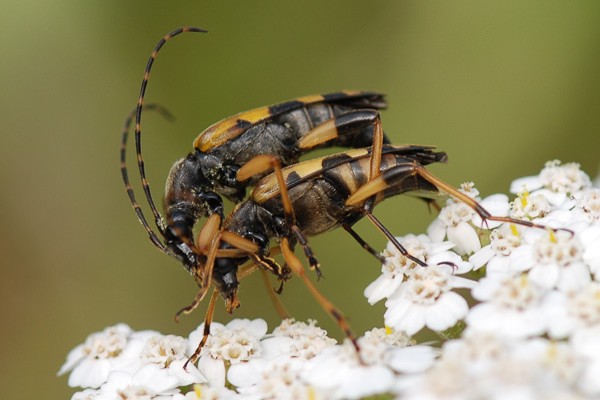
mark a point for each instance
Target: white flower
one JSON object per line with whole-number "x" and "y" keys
{"x": 589, "y": 204}
{"x": 170, "y": 353}
{"x": 589, "y": 237}
{"x": 376, "y": 343}
{"x": 337, "y": 373}
{"x": 555, "y": 182}
{"x": 567, "y": 178}
{"x": 296, "y": 339}
{"x": 586, "y": 344}
{"x": 237, "y": 344}
{"x": 507, "y": 253}
{"x": 511, "y": 306}
{"x": 568, "y": 312}
{"x": 490, "y": 366}
{"x": 163, "y": 350}
{"x": 388, "y": 337}
{"x": 149, "y": 382}
{"x": 527, "y": 206}
{"x": 559, "y": 360}
{"x": 87, "y": 394}
{"x": 426, "y": 299}
{"x": 461, "y": 224}
{"x": 281, "y": 379}
{"x": 93, "y": 360}
{"x": 396, "y": 266}
{"x": 559, "y": 262}
{"x": 454, "y": 222}
{"x": 203, "y": 392}
{"x": 396, "y": 350}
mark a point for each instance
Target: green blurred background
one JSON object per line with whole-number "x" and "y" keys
{"x": 502, "y": 87}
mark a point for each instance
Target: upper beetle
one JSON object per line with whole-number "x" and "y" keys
{"x": 196, "y": 182}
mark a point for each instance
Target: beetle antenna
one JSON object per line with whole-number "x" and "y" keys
{"x": 136, "y": 207}
{"x": 138, "y": 120}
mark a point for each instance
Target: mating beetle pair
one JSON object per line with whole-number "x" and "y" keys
{"x": 291, "y": 200}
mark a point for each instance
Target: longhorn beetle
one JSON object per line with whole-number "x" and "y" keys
{"x": 304, "y": 199}
{"x": 287, "y": 130}
{"x": 307, "y": 199}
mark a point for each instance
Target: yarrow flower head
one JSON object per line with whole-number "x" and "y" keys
{"x": 559, "y": 262}
{"x": 92, "y": 361}
{"x": 462, "y": 225}
{"x": 303, "y": 339}
{"x": 568, "y": 312}
{"x": 527, "y": 206}
{"x": 281, "y": 379}
{"x": 510, "y": 306}
{"x": 164, "y": 350}
{"x": 529, "y": 299}
{"x": 566, "y": 178}
{"x": 426, "y": 299}
{"x": 123, "y": 364}
{"x": 556, "y": 182}
{"x": 589, "y": 204}
{"x": 338, "y": 372}
{"x": 235, "y": 345}
{"x": 398, "y": 267}
{"x": 507, "y": 252}
{"x": 488, "y": 366}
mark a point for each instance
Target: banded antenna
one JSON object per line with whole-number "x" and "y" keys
{"x": 154, "y": 238}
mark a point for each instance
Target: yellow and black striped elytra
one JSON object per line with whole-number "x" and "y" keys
{"x": 347, "y": 170}
{"x": 197, "y": 182}
{"x": 336, "y": 104}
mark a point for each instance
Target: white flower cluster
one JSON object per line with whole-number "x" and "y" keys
{"x": 533, "y": 330}
{"x": 241, "y": 361}
{"x": 529, "y": 299}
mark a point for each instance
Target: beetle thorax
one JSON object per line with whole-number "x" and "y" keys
{"x": 184, "y": 188}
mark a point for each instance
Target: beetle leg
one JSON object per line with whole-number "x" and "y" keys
{"x": 312, "y": 260}
{"x": 472, "y": 203}
{"x": 397, "y": 175}
{"x": 207, "y": 321}
{"x": 247, "y": 248}
{"x": 281, "y": 311}
{"x": 239, "y": 242}
{"x": 261, "y": 164}
{"x": 208, "y": 233}
{"x": 334, "y": 312}
{"x": 268, "y": 264}
{"x": 392, "y": 177}
{"x": 203, "y": 276}
{"x": 393, "y": 239}
{"x": 363, "y": 243}
{"x": 241, "y": 246}
{"x": 231, "y": 253}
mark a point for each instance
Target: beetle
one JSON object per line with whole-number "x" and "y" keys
{"x": 308, "y": 199}
{"x": 286, "y": 130}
